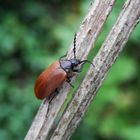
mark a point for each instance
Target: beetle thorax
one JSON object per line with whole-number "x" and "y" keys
{"x": 70, "y": 65}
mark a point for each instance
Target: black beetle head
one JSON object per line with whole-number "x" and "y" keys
{"x": 71, "y": 65}
{"x": 74, "y": 62}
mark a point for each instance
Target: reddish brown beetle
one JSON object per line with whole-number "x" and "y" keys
{"x": 58, "y": 72}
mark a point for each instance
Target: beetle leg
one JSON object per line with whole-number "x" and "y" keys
{"x": 63, "y": 56}
{"x": 50, "y": 98}
{"x": 69, "y": 81}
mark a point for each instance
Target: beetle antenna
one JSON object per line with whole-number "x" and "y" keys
{"x": 87, "y": 61}
{"x": 74, "y": 43}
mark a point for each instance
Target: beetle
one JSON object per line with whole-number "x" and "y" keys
{"x": 57, "y": 73}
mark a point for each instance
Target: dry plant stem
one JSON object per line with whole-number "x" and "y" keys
{"x": 107, "y": 55}
{"x": 40, "y": 117}
{"x": 89, "y": 31}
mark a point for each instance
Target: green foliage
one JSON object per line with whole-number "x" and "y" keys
{"x": 33, "y": 34}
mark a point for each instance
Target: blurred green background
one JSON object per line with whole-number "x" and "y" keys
{"x": 33, "y": 34}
